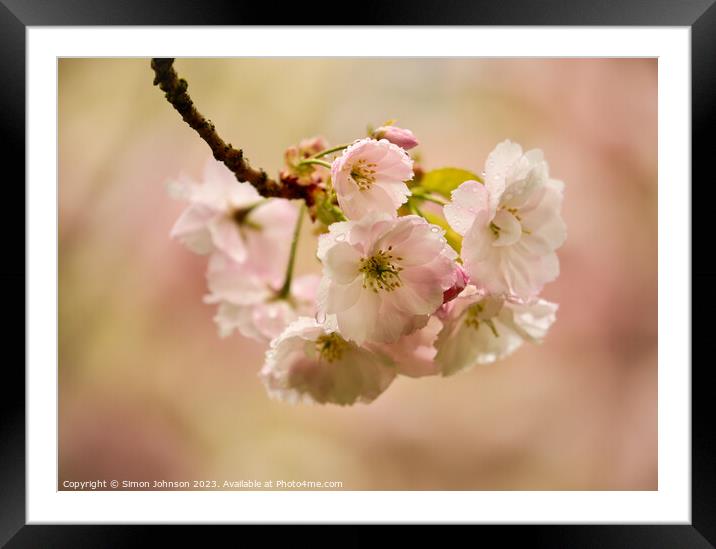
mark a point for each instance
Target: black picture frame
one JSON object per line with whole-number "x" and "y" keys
{"x": 16, "y": 15}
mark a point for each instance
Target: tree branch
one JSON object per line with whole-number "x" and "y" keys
{"x": 174, "y": 89}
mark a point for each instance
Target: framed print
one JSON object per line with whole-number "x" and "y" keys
{"x": 429, "y": 268}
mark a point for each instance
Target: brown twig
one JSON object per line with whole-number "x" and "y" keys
{"x": 174, "y": 89}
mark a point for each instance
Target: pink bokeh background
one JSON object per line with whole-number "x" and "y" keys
{"x": 147, "y": 389}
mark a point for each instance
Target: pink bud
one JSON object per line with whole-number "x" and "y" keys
{"x": 461, "y": 280}
{"x": 398, "y": 136}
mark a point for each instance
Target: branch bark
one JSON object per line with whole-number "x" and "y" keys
{"x": 174, "y": 89}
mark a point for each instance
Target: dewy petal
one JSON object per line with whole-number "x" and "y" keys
{"x": 468, "y": 200}
{"x": 342, "y": 263}
{"x": 358, "y": 322}
{"x": 500, "y": 165}
{"x": 343, "y": 296}
{"x": 421, "y": 248}
{"x": 296, "y": 369}
{"x": 467, "y": 340}
{"x": 476, "y": 246}
{"x": 337, "y": 232}
{"x": 519, "y": 193}
{"x": 381, "y": 197}
{"x": 397, "y": 192}
{"x": 363, "y": 235}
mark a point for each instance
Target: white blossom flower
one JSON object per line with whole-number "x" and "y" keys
{"x": 383, "y": 276}
{"x": 370, "y": 176}
{"x": 248, "y": 304}
{"x": 511, "y": 224}
{"x": 479, "y": 328}
{"x": 309, "y": 362}
{"x": 231, "y": 217}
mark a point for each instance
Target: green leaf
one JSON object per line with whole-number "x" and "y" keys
{"x": 327, "y": 212}
{"x": 445, "y": 180}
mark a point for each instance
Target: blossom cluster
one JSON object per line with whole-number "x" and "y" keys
{"x": 422, "y": 272}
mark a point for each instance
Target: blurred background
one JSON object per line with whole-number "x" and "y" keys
{"x": 148, "y": 391}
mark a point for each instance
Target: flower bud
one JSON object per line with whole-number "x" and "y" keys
{"x": 295, "y": 173}
{"x": 398, "y": 136}
{"x": 461, "y": 280}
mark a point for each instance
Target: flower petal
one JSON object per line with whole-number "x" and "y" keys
{"x": 468, "y": 200}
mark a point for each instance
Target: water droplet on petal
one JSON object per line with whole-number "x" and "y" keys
{"x": 340, "y": 237}
{"x": 320, "y": 317}
{"x": 435, "y": 229}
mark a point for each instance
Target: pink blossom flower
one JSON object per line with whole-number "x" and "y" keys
{"x": 511, "y": 224}
{"x": 231, "y": 217}
{"x": 383, "y": 276}
{"x": 479, "y": 329}
{"x": 399, "y": 136}
{"x": 370, "y": 176}
{"x": 309, "y": 362}
{"x": 248, "y": 304}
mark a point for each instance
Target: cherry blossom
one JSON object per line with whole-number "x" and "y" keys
{"x": 480, "y": 328}
{"x": 309, "y": 362}
{"x": 511, "y": 224}
{"x": 370, "y": 176}
{"x": 394, "y": 298}
{"x": 230, "y": 217}
{"x": 382, "y": 276}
